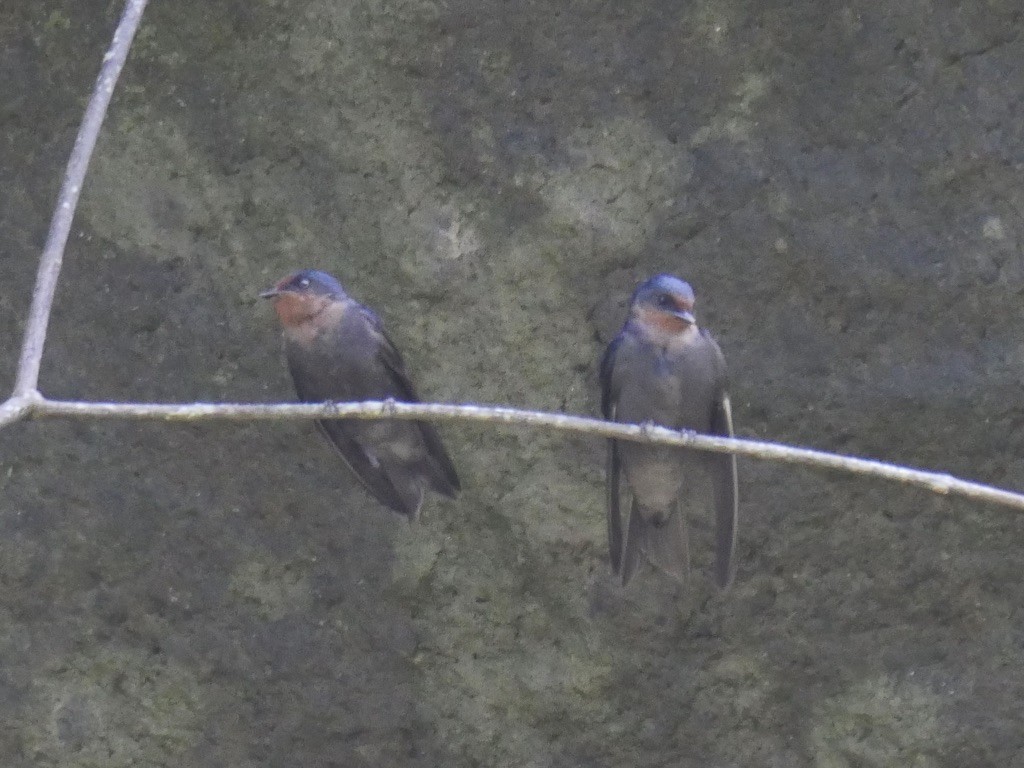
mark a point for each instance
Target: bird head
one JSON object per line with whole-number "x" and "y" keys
{"x": 303, "y": 295}
{"x": 665, "y": 303}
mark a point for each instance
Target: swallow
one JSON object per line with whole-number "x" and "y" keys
{"x": 337, "y": 351}
{"x": 665, "y": 370}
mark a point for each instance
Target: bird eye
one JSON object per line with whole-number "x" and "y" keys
{"x": 665, "y": 301}
{"x": 304, "y": 282}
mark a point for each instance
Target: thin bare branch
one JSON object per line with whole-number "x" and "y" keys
{"x": 13, "y": 409}
{"x": 941, "y": 483}
{"x": 60, "y": 226}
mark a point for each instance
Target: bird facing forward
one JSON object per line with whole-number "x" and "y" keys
{"x": 663, "y": 369}
{"x": 337, "y": 351}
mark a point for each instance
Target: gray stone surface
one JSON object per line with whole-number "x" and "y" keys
{"x": 840, "y": 181}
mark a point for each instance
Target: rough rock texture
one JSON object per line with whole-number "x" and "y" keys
{"x": 840, "y": 181}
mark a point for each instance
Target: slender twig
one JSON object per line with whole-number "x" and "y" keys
{"x": 13, "y": 409}
{"x": 941, "y": 483}
{"x": 60, "y": 226}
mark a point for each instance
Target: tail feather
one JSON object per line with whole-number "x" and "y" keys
{"x": 408, "y": 486}
{"x": 726, "y": 517}
{"x": 411, "y": 490}
{"x": 668, "y": 546}
{"x": 633, "y": 547}
{"x": 438, "y": 467}
{"x": 726, "y": 493}
{"x": 661, "y": 540}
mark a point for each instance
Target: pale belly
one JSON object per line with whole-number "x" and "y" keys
{"x": 389, "y": 440}
{"x": 655, "y": 474}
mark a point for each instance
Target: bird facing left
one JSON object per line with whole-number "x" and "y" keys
{"x": 337, "y": 351}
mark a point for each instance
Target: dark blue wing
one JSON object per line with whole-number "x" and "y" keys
{"x": 612, "y": 467}
{"x": 443, "y": 477}
{"x": 338, "y": 432}
{"x": 726, "y": 492}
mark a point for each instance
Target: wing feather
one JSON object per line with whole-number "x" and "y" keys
{"x": 726, "y": 494}
{"x": 444, "y": 479}
{"x": 613, "y": 495}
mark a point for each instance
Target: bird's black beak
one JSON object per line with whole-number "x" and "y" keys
{"x": 687, "y": 316}
{"x": 272, "y": 293}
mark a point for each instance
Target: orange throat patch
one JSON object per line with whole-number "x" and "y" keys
{"x": 663, "y": 325}
{"x": 295, "y": 309}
